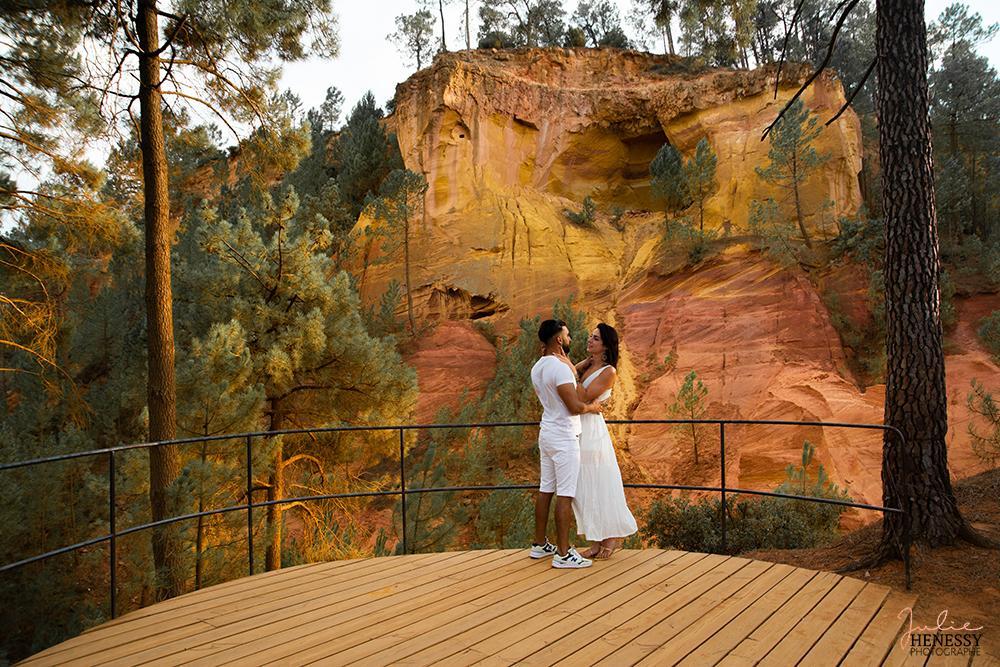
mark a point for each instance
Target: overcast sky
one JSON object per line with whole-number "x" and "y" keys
{"x": 368, "y": 61}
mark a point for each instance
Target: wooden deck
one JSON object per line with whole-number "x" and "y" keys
{"x": 500, "y": 607}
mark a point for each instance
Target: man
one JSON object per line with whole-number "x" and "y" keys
{"x": 554, "y": 380}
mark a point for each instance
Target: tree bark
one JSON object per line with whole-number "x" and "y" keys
{"x": 468, "y": 38}
{"x": 164, "y": 462}
{"x": 915, "y": 475}
{"x": 444, "y": 46}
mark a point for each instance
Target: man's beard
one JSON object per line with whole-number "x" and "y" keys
{"x": 565, "y": 347}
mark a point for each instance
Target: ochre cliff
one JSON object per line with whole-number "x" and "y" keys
{"x": 508, "y": 140}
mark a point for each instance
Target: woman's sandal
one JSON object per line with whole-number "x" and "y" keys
{"x": 607, "y": 552}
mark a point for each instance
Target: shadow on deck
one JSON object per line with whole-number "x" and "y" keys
{"x": 500, "y": 607}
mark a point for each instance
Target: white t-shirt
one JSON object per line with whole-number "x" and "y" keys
{"x": 557, "y": 422}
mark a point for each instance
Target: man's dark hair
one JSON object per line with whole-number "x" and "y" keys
{"x": 549, "y": 329}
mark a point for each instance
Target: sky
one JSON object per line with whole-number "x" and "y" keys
{"x": 368, "y": 61}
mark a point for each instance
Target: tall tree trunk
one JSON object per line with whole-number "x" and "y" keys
{"x": 275, "y": 491}
{"x": 409, "y": 285}
{"x": 798, "y": 214}
{"x": 670, "y": 38}
{"x": 444, "y": 45}
{"x": 468, "y": 38}
{"x": 914, "y": 476}
{"x": 164, "y": 462}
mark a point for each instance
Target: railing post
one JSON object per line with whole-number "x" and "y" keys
{"x": 722, "y": 467}
{"x": 250, "y": 504}
{"x": 402, "y": 486}
{"x": 112, "y": 544}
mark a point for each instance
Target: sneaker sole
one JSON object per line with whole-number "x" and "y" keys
{"x": 536, "y": 557}
{"x": 567, "y": 566}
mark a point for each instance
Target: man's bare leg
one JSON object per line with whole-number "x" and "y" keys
{"x": 542, "y": 503}
{"x": 564, "y": 505}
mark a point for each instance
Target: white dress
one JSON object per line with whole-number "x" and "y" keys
{"x": 599, "y": 505}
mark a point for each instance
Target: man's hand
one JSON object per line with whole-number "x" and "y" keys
{"x": 594, "y": 407}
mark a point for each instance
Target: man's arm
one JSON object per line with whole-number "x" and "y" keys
{"x": 567, "y": 392}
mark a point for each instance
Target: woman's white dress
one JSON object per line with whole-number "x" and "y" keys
{"x": 600, "y": 507}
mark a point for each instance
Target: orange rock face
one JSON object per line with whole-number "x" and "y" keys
{"x": 453, "y": 361}
{"x": 509, "y": 140}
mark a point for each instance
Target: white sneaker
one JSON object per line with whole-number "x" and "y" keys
{"x": 543, "y": 550}
{"x": 572, "y": 560}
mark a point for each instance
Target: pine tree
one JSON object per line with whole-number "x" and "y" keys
{"x": 689, "y": 403}
{"x": 310, "y": 349}
{"x": 400, "y": 199}
{"x": 364, "y": 154}
{"x": 793, "y": 157}
{"x": 668, "y": 179}
{"x": 699, "y": 174}
{"x": 413, "y": 36}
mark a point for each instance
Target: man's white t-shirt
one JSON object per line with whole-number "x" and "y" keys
{"x": 557, "y": 422}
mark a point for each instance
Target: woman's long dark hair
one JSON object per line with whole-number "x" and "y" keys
{"x": 610, "y": 339}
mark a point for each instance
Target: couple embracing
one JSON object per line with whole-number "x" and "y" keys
{"x": 578, "y": 463}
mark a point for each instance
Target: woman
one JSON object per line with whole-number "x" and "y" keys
{"x": 602, "y": 514}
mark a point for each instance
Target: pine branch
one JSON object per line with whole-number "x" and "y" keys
{"x": 857, "y": 89}
{"x": 816, "y": 73}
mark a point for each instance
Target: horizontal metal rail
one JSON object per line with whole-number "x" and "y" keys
{"x": 402, "y": 492}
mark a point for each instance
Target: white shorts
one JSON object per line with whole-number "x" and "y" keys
{"x": 560, "y": 465}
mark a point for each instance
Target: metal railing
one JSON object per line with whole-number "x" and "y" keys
{"x": 248, "y": 438}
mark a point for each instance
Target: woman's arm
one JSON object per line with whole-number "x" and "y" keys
{"x": 583, "y": 366}
{"x": 601, "y": 384}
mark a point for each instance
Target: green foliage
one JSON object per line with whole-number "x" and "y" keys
{"x": 768, "y": 523}
{"x": 690, "y": 402}
{"x": 506, "y": 518}
{"x": 431, "y": 518}
{"x": 364, "y": 154}
{"x": 989, "y": 333}
{"x": 668, "y": 179}
{"x": 699, "y": 172}
{"x": 986, "y": 444}
{"x": 861, "y": 239}
{"x": 793, "y": 157}
{"x": 600, "y": 25}
{"x": 682, "y": 184}
{"x": 516, "y": 23}
{"x": 586, "y": 216}
{"x": 772, "y": 232}
{"x": 414, "y": 36}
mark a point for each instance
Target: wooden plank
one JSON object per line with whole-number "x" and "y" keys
{"x": 876, "y": 641}
{"x": 229, "y": 630}
{"x": 688, "y": 635}
{"x": 808, "y": 630}
{"x": 837, "y": 641}
{"x": 535, "y": 632}
{"x": 753, "y": 648}
{"x": 667, "y": 627}
{"x": 172, "y": 612}
{"x": 900, "y": 654}
{"x": 328, "y": 626}
{"x": 716, "y": 647}
{"x": 553, "y": 644}
{"x": 124, "y": 641}
{"x": 625, "y": 630}
{"x": 599, "y": 581}
{"x": 420, "y": 633}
